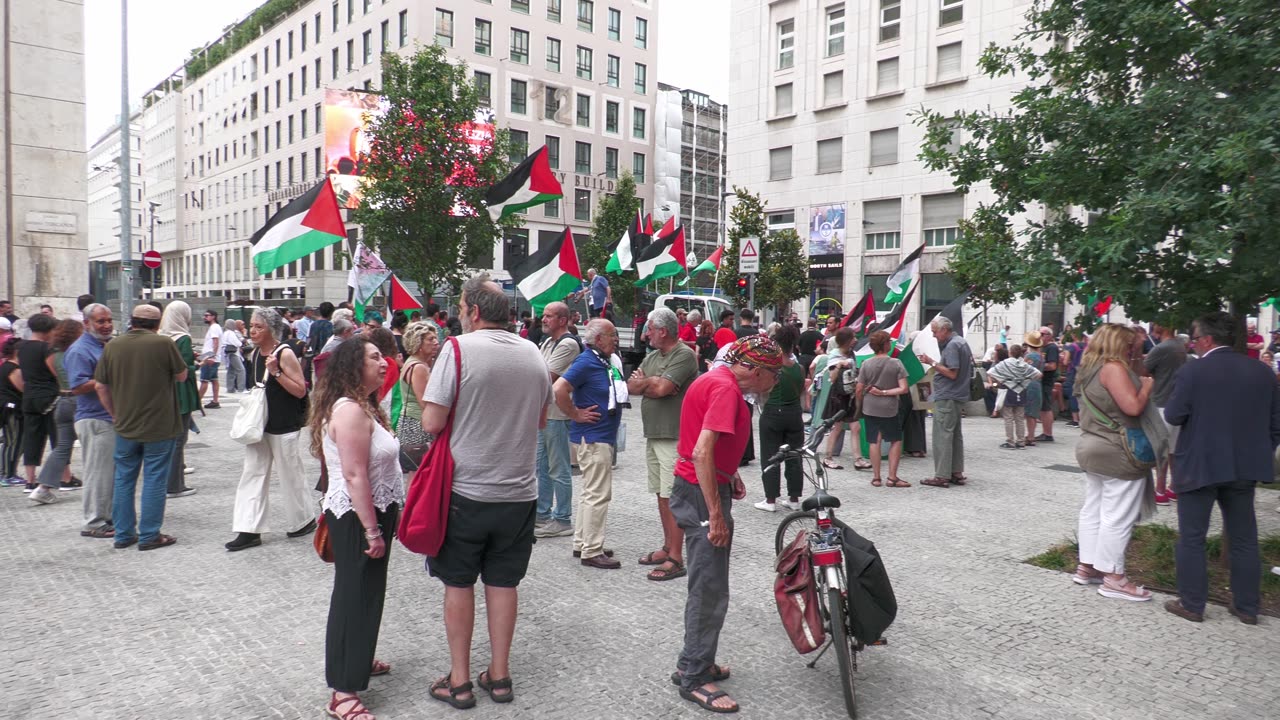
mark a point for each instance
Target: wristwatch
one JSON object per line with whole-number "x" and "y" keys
{"x": 277, "y": 373}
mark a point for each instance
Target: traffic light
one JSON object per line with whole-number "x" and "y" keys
{"x": 742, "y": 286}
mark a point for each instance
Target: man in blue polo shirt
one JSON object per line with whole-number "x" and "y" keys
{"x": 587, "y": 394}
{"x": 94, "y": 426}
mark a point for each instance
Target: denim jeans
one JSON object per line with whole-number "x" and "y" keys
{"x": 64, "y": 417}
{"x": 153, "y": 458}
{"x": 236, "y": 379}
{"x": 555, "y": 479}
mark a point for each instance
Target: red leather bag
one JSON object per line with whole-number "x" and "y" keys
{"x": 797, "y": 596}
{"x": 426, "y": 508}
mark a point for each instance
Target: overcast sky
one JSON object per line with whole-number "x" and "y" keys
{"x": 693, "y": 46}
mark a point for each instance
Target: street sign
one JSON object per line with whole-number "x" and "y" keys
{"x": 749, "y": 255}
{"x": 151, "y": 259}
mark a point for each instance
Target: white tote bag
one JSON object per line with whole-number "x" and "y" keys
{"x": 251, "y": 418}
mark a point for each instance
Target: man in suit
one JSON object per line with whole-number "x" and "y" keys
{"x": 1229, "y": 408}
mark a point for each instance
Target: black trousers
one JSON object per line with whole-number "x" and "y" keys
{"x": 355, "y": 609}
{"x": 779, "y": 425}
{"x": 12, "y": 421}
{"x": 913, "y": 436}
{"x": 1241, "y": 526}
{"x": 38, "y": 428}
{"x": 749, "y": 452}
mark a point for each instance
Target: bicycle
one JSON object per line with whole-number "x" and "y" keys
{"x": 817, "y": 518}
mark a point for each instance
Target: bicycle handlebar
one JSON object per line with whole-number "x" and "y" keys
{"x": 816, "y": 438}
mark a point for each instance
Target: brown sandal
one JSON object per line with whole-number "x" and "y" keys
{"x": 935, "y": 482}
{"x": 897, "y": 483}
{"x": 454, "y": 691}
{"x": 876, "y": 482}
{"x": 662, "y": 572}
{"x": 355, "y": 712}
{"x": 652, "y": 559}
{"x": 379, "y": 668}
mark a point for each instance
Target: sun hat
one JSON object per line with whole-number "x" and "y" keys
{"x": 1033, "y": 339}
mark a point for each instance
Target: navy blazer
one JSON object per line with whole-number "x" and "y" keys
{"x": 1228, "y": 405}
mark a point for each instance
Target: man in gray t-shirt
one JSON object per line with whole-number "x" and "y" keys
{"x": 1163, "y": 362}
{"x": 950, "y": 393}
{"x": 555, "y": 477}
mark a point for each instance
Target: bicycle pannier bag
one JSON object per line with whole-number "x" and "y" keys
{"x": 797, "y": 596}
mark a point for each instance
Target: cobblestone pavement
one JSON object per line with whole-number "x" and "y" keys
{"x": 195, "y": 632}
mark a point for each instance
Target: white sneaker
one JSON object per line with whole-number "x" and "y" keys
{"x": 766, "y": 506}
{"x": 788, "y": 504}
{"x": 187, "y": 470}
{"x": 43, "y": 495}
{"x": 1275, "y": 571}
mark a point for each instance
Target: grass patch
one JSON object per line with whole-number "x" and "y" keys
{"x": 1150, "y": 561}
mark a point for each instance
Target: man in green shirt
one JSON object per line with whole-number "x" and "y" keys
{"x": 144, "y": 407}
{"x": 662, "y": 379}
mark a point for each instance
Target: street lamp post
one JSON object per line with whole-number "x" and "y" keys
{"x": 724, "y": 234}
{"x": 126, "y": 210}
{"x": 151, "y": 272}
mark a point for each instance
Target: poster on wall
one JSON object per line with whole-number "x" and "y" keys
{"x": 346, "y": 146}
{"x": 827, "y": 229}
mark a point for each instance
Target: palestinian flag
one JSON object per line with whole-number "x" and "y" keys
{"x": 665, "y": 257}
{"x": 900, "y": 280}
{"x": 531, "y": 184}
{"x": 862, "y": 316}
{"x": 309, "y": 223}
{"x": 711, "y": 264}
{"x": 401, "y": 298}
{"x": 550, "y": 274}
{"x": 892, "y": 324}
{"x": 623, "y": 252}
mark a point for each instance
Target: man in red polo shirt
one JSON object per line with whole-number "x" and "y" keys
{"x": 715, "y": 425}
{"x": 725, "y": 334}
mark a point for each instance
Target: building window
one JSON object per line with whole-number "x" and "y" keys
{"x": 317, "y": 73}
{"x": 586, "y": 15}
{"x": 642, "y": 33}
{"x": 367, "y": 39}
{"x": 890, "y": 19}
{"x": 303, "y": 38}
{"x": 584, "y": 111}
{"x": 351, "y": 11}
{"x": 515, "y": 248}
{"x": 316, "y": 25}
{"x": 950, "y": 11}
{"x": 484, "y": 88}
{"x": 884, "y": 147}
{"x": 642, "y": 78}
{"x": 953, "y": 145}
{"x": 519, "y": 146}
{"x": 615, "y": 24}
{"x": 520, "y": 6}
{"x": 551, "y": 209}
{"x": 553, "y": 10}
{"x": 303, "y": 78}
{"x": 949, "y": 65}
{"x": 484, "y": 37}
{"x": 404, "y": 28}
{"x": 833, "y": 87}
{"x": 613, "y": 72}
{"x": 553, "y": 54}
{"x": 638, "y": 122}
{"x": 334, "y": 59}
{"x": 780, "y": 163}
{"x": 637, "y": 166}
{"x": 519, "y": 97}
{"x": 786, "y": 44}
{"x": 551, "y": 102}
{"x": 368, "y": 6}
{"x": 830, "y": 155}
{"x": 582, "y": 158}
{"x": 334, "y": 27}
{"x": 835, "y": 31}
{"x": 582, "y": 205}
{"x": 520, "y": 46}
{"x": 782, "y": 100}
{"x": 887, "y": 75}
{"x": 882, "y": 224}
{"x": 444, "y": 28}
{"x": 585, "y": 61}
{"x": 611, "y": 117}
{"x": 317, "y": 115}
{"x": 553, "y": 152}
{"x": 941, "y": 216}
{"x": 302, "y": 123}
{"x": 611, "y": 163}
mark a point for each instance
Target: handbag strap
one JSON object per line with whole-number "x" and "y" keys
{"x": 253, "y": 364}
{"x": 1103, "y": 419}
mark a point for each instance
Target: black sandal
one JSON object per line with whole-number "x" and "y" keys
{"x": 705, "y": 699}
{"x": 454, "y": 692}
{"x": 718, "y": 674}
{"x": 876, "y": 482}
{"x": 489, "y": 685}
{"x": 661, "y": 573}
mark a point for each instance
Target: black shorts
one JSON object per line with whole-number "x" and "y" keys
{"x": 491, "y": 541}
{"x": 888, "y": 429}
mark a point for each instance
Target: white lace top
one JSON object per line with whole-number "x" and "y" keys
{"x": 385, "y": 479}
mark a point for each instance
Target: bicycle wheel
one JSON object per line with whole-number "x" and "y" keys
{"x": 791, "y": 526}
{"x": 843, "y": 645}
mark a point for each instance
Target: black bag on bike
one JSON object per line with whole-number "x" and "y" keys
{"x": 797, "y": 596}
{"x": 872, "y": 605}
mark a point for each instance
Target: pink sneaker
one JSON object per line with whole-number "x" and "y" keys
{"x": 1086, "y": 576}
{"x": 1162, "y": 498}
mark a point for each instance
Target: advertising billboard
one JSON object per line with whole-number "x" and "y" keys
{"x": 827, "y": 229}
{"x": 346, "y": 146}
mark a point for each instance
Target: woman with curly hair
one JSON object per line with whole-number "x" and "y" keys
{"x": 350, "y": 433}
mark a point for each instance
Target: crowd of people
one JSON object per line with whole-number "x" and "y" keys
{"x": 369, "y": 399}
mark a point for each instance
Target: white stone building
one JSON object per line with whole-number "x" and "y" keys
{"x": 44, "y": 212}
{"x": 690, "y": 165}
{"x": 103, "y": 195}
{"x": 577, "y": 75}
{"x": 825, "y": 95}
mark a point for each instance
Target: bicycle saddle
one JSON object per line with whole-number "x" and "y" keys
{"x": 820, "y": 499}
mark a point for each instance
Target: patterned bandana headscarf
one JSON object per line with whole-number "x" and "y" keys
{"x": 755, "y": 350}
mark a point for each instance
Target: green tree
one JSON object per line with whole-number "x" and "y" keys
{"x": 1157, "y": 117}
{"x": 614, "y": 214}
{"x": 784, "y": 268}
{"x": 421, "y": 164}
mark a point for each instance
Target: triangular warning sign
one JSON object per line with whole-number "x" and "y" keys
{"x": 749, "y": 248}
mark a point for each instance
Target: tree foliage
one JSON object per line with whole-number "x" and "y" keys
{"x": 784, "y": 268}
{"x": 420, "y": 164}
{"x": 614, "y": 214}
{"x": 1159, "y": 118}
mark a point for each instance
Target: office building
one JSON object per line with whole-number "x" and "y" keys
{"x": 690, "y": 165}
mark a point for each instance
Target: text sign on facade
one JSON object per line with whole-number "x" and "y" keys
{"x": 47, "y": 222}
{"x": 749, "y": 255}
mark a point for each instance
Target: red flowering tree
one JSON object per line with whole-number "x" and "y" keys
{"x": 429, "y": 166}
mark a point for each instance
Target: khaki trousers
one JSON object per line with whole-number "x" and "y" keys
{"x": 596, "y": 462}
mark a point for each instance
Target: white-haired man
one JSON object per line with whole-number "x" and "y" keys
{"x": 950, "y": 393}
